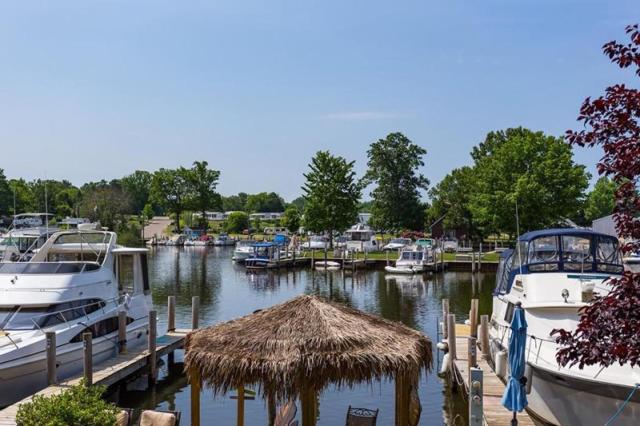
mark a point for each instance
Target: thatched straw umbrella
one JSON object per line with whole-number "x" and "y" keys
{"x": 297, "y": 348}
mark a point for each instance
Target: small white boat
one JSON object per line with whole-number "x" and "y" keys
{"x": 176, "y": 240}
{"x": 412, "y": 260}
{"x": 316, "y": 242}
{"x": 397, "y": 244}
{"x": 361, "y": 238}
{"x": 223, "y": 239}
{"x": 326, "y": 265}
{"x": 243, "y": 250}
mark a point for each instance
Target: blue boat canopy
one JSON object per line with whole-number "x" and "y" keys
{"x": 264, "y": 245}
{"x": 559, "y": 250}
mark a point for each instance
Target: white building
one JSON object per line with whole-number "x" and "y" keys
{"x": 266, "y": 216}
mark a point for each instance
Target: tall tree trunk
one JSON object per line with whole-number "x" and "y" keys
{"x": 178, "y": 221}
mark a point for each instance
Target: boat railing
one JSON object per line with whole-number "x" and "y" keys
{"x": 69, "y": 318}
{"x": 61, "y": 267}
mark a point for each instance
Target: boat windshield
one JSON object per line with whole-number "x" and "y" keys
{"x": 359, "y": 236}
{"x": 246, "y": 243}
{"x": 47, "y": 267}
{"x": 412, "y": 255}
{"x": 32, "y": 317}
{"x": 400, "y": 241}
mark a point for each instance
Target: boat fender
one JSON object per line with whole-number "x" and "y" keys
{"x": 446, "y": 362}
{"x": 442, "y": 346}
{"x": 467, "y": 322}
{"x": 441, "y": 327}
{"x": 528, "y": 374}
{"x": 501, "y": 364}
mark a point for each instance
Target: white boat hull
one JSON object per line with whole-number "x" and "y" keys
{"x": 404, "y": 269}
{"x": 19, "y": 380}
{"x": 562, "y": 400}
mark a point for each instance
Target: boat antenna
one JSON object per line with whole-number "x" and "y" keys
{"x": 518, "y": 238}
{"x": 46, "y": 206}
{"x": 14, "y": 202}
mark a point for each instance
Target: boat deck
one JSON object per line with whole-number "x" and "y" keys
{"x": 108, "y": 372}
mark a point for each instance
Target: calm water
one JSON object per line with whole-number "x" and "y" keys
{"x": 226, "y": 291}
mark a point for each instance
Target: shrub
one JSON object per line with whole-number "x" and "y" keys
{"x": 79, "y": 405}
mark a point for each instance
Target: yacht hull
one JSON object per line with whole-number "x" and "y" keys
{"x": 566, "y": 400}
{"x": 20, "y": 380}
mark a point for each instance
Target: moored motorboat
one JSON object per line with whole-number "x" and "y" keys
{"x": 326, "y": 265}
{"x": 76, "y": 282}
{"x": 554, "y": 274}
{"x": 223, "y": 239}
{"x": 412, "y": 260}
{"x": 243, "y": 249}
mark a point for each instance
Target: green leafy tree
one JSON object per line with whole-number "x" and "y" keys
{"x": 203, "y": 182}
{"x": 234, "y": 202}
{"x": 266, "y": 202}
{"x": 6, "y": 195}
{"x": 532, "y": 168}
{"x": 331, "y": 193}
{"x": 54, "y": 202}
{"x": 393, "y": 166}
{"x": 24, "y": 201}
{"x": 137, "y": 185}
{"x": 148, "y": 212}
{"x": 601, "y": 201}
{"x": 291, "y": 218}
{"x": 106, "y": 203}
{"x": 170, "y": 189}
{"x": 236, "y": 222}
{"x": 450, "y": 201}
{"x": 299, "y": 203}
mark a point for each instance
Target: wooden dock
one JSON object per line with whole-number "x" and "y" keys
{"x": 493, "y": 387}
{"x": 109, "y": 372}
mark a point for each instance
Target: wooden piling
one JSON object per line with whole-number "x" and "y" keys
{"x": 153, "y": 329}
{"x": 313, "y": 259}
{"x": 195, "y": 312}
{"x": 122, "y": 332}
{"x": 52, "y": 373}
{"x": 88, "y": 357}
{"x": 445, "y": 318}
{"x": 451, "y": 335}
{"x": 480, "y": 258}
{"x": 387, "y": 254}
{"x": 473, "y": 316}
{"x": 171, "y": 313}
{"x": 472, "y": 353}
{"x": 484, "y": 336}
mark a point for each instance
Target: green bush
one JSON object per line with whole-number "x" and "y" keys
{"x": 77, "y": 406}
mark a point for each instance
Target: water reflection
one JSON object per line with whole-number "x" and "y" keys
{"x": 227, "y": 291}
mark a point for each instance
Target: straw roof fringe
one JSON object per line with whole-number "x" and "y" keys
{"x": 305, "y": 340}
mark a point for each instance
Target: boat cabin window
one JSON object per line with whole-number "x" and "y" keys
{"x": 412, "y": 255}
{"x": 544, "y": 254}
{"x": 84, "y": 256}
{"x": 32, "y": 317}
{"x": 101, "y": 328}
{"x": 126, "y": 277}
{"x": 359, "y": 236}
{"x": 576, "y": 253}
{"x": 607, "y": 255}
{"x": 46, "y": 268}
{"x": 502, "y": 274}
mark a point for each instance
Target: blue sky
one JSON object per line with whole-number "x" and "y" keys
{"x": 92, "y": 90}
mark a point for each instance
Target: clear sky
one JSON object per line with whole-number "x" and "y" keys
{"x": 97, "y": 89}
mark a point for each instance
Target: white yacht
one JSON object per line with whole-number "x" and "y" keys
{"x": 20, "y": 244}
{"x": 361, "y": 238}
{"x": 412, "y": 260}
{"x": 243, "y": 250}
{"x": 77, "y": 281}
{"x": 223, "y": 239}
{"x": 316, "y": 242}
{"x": 554, "y": 273}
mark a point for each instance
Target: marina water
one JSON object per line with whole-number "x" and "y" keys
{"x": 226, "y": 291}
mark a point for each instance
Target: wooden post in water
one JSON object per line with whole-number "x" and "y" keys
{"x": 194, "y": 374}
{"x": 153, "y": 329}
{"x": 387, "y": 253}
{"x": 52, "y": 373}
{"x": 240, "y": 412}
{"x": 171, "y": 313}
{"x": 195, "y": 312}
{"x": 445, "y": 318}
{"x": 480, "y": 258}
{"x": 451, "y": 335}
{"x": 474, "y": 317}
{"x": 484, "y": 336}
{"x": 473, "y": 261}
{"x": 122, "y": 332}
{"x": 313, "y": 258}
{"x": 88, "y": 357}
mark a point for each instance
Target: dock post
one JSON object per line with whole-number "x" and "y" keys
{"x": 472, "y": 355}
{"x": 325, "y": 257}
{"x": 313, "y": 259}
{"x": 442, "y": 260}
{"x": 474, "y": 317}
{"x": 153, "y": 329}
{"x": 473, "y": 261}
{"x": 122, "y": 332}
{"x": 387, "y": 253}
{"x": 484, "y": 336}
{"x": 52, "y": 373}
{"x": 476, "y": 413}
{"x": 480, "y": 258}
{"x": 88, "y": 357}
{"x": 451, "y": 336}
{"x": 445, "y": 318}
{"x": 171, "y": 313}
{"x": 195, "y": 312}
{"x": 196, "y": 384}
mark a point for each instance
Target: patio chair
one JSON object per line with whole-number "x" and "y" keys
{"x": 286, "y": 415}
{"x": 160, "y": 418}
{"x": 361, "y": 416}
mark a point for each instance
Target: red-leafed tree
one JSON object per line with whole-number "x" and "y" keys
{"x": 609, "y": 328}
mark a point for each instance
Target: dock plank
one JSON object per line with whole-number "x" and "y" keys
{"x": 492, "y": 389}
{"x": 107, "y": 373}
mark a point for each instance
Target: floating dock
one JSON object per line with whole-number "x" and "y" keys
{"x": 494, "y": 414}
